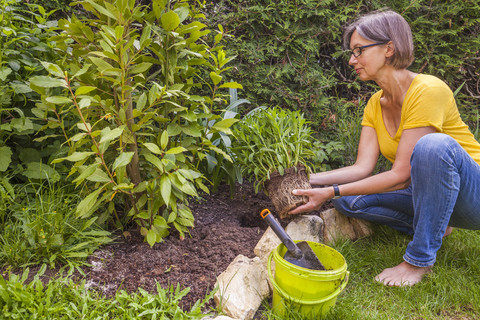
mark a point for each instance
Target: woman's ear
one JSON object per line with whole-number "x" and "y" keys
{"x": 390, "y": 49}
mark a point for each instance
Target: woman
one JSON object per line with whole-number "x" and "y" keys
{"x": 434, "y": 183}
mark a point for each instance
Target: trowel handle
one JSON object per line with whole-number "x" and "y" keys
{"x": 280, "y": 232}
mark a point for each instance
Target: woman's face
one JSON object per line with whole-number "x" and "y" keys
{"x": 369, "y": 63}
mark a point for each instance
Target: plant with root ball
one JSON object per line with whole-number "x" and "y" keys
{"x": 273, "y": 147}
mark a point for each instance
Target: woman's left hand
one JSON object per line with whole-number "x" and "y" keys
{"x": 316, "y": 197}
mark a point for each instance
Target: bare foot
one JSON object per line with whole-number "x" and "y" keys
{"x": 448, "y": 231}
{"x": 404, "y": 274}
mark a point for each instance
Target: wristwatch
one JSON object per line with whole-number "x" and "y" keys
{"x": 336, "y": 190}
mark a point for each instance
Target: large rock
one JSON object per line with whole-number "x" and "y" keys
{"x": 242, "y": 288}
{"x": 337, "y": 225}
{"x": 307, "y": 228}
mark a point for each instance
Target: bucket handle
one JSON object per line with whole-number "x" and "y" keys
{"x": 285, "y": 295}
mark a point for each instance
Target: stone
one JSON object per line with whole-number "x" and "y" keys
{"x": 265, "y": 245}
{"x": 338, "y": 226}
{"x": 307, "y": 228}
{"x": 241, "y": 288}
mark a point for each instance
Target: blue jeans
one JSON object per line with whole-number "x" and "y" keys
{"x": 444, "y": 191}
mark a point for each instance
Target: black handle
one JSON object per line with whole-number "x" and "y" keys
{"x": 280, "y": 232}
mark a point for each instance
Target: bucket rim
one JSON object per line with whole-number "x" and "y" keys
{"x": 325, "y": 274}
{"x": 300, "y": 301}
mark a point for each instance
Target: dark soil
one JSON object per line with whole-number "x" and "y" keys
{"x": 225, "y": 227}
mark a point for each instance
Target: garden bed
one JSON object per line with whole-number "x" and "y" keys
{"x": 224, "y": 228}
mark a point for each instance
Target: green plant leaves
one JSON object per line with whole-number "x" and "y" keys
{"x": 5, "y": 158}
{"x": 47, "y": 82}
{"x": 84, "y": 208}
{"x": 122, "y": 160}
{"x": 41, "y": 171}
{"x": 58, "y": 100}
{"x": 74, "y": 157}
{"x": 170, "y": 20}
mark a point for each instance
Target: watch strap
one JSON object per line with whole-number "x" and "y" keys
{"x": 336, "y": 190}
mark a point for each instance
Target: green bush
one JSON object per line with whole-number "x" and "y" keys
{"x": 24, "y": 40}
{"x": 290, "y": 53}
{"x": 145, "y": 88}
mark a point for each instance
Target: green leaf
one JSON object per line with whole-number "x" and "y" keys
{"x": 47, "y": 82}
{"x": 87, "y": 172}
{"x": 84, "y": 207}
{"x": 84, "y": 103}
{"x": 170, "y": 20}
{"x": 224, "y": 125}
{"x": 84, "y": 90}
{"x": 58, "y": 100}
{"x": 215, "y": 78}
{"x": 99, "y": 176}
{"x": 233, "y": 85}
{"x": 165, "y": 188}
{"x": 101, "y": 64}
{"x": 5, "y": 158}
{"x": 102, "y": 10}
{"x": 74, "y": 157}
{"x": 140, "y": 68}
{"x": 123, "y": 160}
{"x": 141, "y": 102}
{"x": 151, "y": 237}
{"x": 53, "y": 69}
{"x": 153, "y": 148}
{"x": 41, "y": 171}
{"x": 164, "y": 139}
{"x": 4, "y": 72}
{"x": 176, "y": 150}
{"x": 112, "y": 134}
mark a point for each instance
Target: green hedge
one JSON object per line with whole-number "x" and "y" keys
{"x": 289, "y": 51}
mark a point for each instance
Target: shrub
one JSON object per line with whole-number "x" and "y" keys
{"x": 135, "y": 80}
{"x": 290, "y": 54}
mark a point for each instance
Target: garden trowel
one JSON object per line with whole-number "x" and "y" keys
{"x": 299, "y": 253}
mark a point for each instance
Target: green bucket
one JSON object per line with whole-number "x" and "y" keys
{"x": 307, "y": 291}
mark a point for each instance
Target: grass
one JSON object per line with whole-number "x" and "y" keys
{"x": 451, "y": 291}
{"x": 41, "y": 227}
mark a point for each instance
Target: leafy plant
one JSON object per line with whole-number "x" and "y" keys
{"x": 61, "y": 298}
{"x": 134, "y": 78}
{"x": 216, "y": 167}
{"x": 24, "y": 33}
{"x": 269, "y": 140}
{"x": 41, "y": 227}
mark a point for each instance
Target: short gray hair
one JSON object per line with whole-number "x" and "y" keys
{"x": 384, "y": 26}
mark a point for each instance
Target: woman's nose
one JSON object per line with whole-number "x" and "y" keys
{"x": 352, "y": 60}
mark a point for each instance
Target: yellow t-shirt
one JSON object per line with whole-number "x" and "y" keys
{"x": 428, "y": 102}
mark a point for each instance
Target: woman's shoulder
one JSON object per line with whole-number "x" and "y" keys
{"x": 426, "y": 81}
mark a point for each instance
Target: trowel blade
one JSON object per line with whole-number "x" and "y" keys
{"x": 308, "y": 259}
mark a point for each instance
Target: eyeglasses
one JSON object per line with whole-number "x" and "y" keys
{"x": 357, "y": 51}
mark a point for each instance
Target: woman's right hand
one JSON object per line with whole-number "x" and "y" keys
{"x": 316, "y": 197}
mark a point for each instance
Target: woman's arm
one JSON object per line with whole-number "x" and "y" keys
{"x": 367, "y": 157}
{"x": 395, "y": 179}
